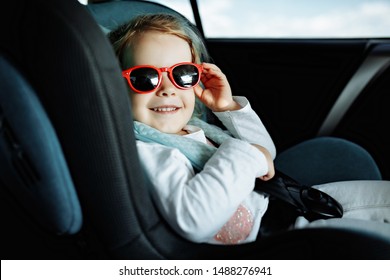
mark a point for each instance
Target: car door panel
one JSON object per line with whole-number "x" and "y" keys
{"x": 293, "y": 85}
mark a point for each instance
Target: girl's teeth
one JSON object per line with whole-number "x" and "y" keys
{"x": 164, "y": 109}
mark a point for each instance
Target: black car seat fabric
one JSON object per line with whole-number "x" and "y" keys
{"x": 32, "y": 165}
{"x": 68, "y": 61}
{"x": 110, "y": 16}
{"x": 57, "y": 46}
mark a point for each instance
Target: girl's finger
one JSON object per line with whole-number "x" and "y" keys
{"x": 198, "y": 90}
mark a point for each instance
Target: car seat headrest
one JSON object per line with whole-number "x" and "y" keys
{"x": 111, "y": 15}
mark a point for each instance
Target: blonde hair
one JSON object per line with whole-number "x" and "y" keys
{"x": 127, "y": 35}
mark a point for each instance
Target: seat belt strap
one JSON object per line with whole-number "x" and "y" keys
{"x": 377, "y": 61}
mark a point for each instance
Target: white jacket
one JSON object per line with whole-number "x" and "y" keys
{"x": 198, "y": 205}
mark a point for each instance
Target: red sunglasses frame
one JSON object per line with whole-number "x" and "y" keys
{"x": 126, "y": 74}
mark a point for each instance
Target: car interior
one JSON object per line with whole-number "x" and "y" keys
{"x": 71, "y": 182}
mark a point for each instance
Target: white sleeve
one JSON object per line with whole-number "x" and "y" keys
{"x": 197, "y": 205}
{"x": 245, "y": 124}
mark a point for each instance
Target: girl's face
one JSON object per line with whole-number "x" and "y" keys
{"x": 168, "y": 108}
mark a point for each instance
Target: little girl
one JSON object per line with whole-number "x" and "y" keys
{"x": 204, "y": 177}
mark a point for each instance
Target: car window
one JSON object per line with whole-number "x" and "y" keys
{"x": 290, "y": 19}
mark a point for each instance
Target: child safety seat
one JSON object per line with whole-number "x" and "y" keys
{"x": 71, "y": 182}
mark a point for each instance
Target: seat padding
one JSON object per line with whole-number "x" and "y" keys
{"x": 110, "y": 15}
{"x": 32, "y": 165}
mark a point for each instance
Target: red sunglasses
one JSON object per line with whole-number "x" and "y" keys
{"x": 147, "y": 78}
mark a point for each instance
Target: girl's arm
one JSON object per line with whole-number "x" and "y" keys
{"x": 197, "y": 205}
{"x": 236, "y": 115}
{"x": 245, "y": 124}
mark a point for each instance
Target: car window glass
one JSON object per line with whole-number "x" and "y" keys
{"x": 295, "y": 19}
{"x": 288, "y": 19}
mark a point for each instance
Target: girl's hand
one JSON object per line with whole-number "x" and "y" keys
{"x": 217, "y": 94}
{"x": 271, "y": 167}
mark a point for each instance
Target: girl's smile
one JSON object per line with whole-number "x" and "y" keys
{"x": 166, "y": 109}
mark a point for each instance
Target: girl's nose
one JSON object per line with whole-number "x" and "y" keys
{"x": 167, "y": 88}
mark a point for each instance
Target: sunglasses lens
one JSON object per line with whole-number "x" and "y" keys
{"x": 144, "y": 79}
{"x": 186, "y": 76}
